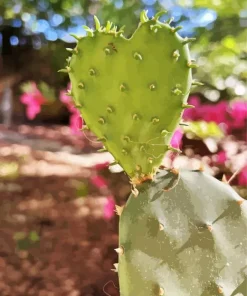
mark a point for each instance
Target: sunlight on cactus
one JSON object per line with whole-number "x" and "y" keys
{"x": 181, "y": 232}
{"x": 122, "y": 95}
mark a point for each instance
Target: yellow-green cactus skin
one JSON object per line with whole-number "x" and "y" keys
{"x": 132, "y": 92}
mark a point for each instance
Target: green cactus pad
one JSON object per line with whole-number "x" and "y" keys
{"x": 183, "y": 235}
{"x": 132, "y": 92}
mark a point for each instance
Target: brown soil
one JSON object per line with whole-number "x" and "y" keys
{"x": 75, "y": 251}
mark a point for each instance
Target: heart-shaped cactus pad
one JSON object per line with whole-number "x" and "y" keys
{"x": 132, "y": 92}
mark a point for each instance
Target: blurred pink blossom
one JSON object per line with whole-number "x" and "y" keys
{"x": 228, "y": 115}
{"x": 177, "y": 138}
{"x": 101, "y": 166}
{"x": 214, "y": 113}
{"x": 33, "y": 99}
{"x": 242, "y": 177}
{"x": 98, "y": 181}
{"x": 109, "y": 208}
{"x": 237, "y": 112}
{"x": 32, "y": 110}
{"x": 76, "y": 120}
{"x": 191, "y": 113}
{"x": 221, "y": 157}
{"x": 64, "y": 98}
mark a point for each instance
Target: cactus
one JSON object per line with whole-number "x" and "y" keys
{"x": 184, "y": 235}
{"x": 132, "y": 92}
{"x": 181, "y": 233}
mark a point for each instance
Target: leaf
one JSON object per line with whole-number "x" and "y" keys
{"x": 27, "y": 87}
{"x": 23, "y": 244}
{"x": 203, "y": 129}
{"x": 82, "y": 190}
{"x": 47, "y": 91}
{"x": 34, "y": 237}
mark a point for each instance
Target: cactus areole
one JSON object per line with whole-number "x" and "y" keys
{"x": 181, "y": 233}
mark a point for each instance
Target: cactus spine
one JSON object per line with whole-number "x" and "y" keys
{"x": 181, "y": 233}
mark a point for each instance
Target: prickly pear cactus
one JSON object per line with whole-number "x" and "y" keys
{"x": 132, "y": 92}
{"x": 184, "y": 235}
{"x": 181, "y": 234}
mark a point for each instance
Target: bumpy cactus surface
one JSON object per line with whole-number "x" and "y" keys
{"x": 181, "y": 233}
{"x": 184, "y": 235}
{"x": 132, "y": 92}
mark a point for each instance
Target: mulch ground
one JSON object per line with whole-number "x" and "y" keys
{"x": 74, "y": 252}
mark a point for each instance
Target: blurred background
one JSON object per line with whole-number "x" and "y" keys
{"x": 58, "y": 228}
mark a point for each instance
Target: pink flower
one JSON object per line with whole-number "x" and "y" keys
{"x": 98, "y": 181}
{"x": 33, "y": 100}
{"x": 191, "y": 113}
{"x": 238, "y": 114}
{"x": 32, "y": 110}
{"x": 227, "y": 116}
{"x": 214, "y": 113}
{"x": 109, "y": 208}
{"x": 239, "y": 110}
{"x": 76, "y": 120}
{"x": 64, "y": 98}
{"x": 101, "y": 166}
{"x": 177, "y": 138}
{"x": 242, "y": 177}
{"x": 221, "y": 157}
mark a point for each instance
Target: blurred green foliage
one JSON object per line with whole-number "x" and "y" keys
{"x": 47, "y": 91}
{"x": 25, "y": 241}
{"x": 82, "y": 189}
{"x": 223, "y": 7}
{"x": 221, "y": 49}
{"x": 203, "y": 130}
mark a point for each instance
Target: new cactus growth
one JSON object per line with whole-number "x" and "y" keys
{"x": 181, "y": 233}
{"x": 132, "y": 92}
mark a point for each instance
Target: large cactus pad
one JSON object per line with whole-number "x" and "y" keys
{"x": 131, "y": 92}
{"x": 184, "y": 235}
